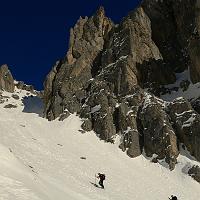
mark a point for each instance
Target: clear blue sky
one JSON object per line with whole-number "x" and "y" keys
{"x": 34, "y": 35}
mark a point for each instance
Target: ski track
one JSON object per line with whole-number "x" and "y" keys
{"x": 40, "y": 160}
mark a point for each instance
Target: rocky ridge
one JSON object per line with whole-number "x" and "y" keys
{"x": 112, "y": 74}
{"x": 8, "y": 84}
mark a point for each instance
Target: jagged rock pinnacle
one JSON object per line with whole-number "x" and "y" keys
{"x": 100, "y": 11}
{"x": 6, "y": 79}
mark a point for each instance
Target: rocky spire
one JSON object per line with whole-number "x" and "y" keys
{"x": 6, "y": 79}
{"x": 93, "y": 30}
{"x": 87, "y": 40}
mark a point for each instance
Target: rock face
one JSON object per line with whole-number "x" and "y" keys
{"x": 22, "y": 86}
{"x": 194, "y": 172}
{"x": 187, "y": 125}
{"x": 99, "y": 71}
{"x": 188, "y": 25}
{"x": 159, "y": 136}
{"x": 176, "y": 32}
{"x": 6, "y": 79}
{"x": 110, "y": 70}
{"x": 196, "y": 105}
{"x": 68, "y": 80}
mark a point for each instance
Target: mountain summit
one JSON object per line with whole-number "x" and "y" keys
{"x": 117, "y": 76}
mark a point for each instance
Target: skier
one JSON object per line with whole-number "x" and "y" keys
{"x": 173, "y": 197}
{"x": 102, "y": 178}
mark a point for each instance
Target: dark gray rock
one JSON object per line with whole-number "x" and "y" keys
{"x": 159, "y": 136}
{"x": 10, "y": 106}
{"x": 87, "y": 125}
{"x": 2, "y": 99}
{"x": 102, "y": 115}
{"x": 196, "y": 105}
{"x": 194, "y": 172}
{"x": 6, "y": 79}
{"x": 154, "y": 74}
{"x": 48, "y": 87}
{"x": 126, "y": 123}
{"x": 15, "y": 96}
{"x": 64, "y": 116}
{"x": 154, "y": 160}
{"x": 175, "y": 30}
{"x": 187, "y": 125}
{"x": 22, "y": 86}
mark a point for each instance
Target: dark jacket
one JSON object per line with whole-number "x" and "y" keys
{"x": 101, "y": 177}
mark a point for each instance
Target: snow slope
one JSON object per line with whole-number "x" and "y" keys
{"x": 41, "y": 160}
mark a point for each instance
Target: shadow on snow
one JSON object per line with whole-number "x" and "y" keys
{"x": 33, "y": 104}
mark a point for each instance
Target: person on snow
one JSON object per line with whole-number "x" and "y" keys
{"x": 173, "y": 198}
{"x": 101, "y": 179}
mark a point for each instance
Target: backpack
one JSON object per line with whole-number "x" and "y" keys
{"x": 102, "y": 176}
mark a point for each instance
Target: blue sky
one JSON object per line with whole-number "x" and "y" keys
{"x": 34, "y": 34}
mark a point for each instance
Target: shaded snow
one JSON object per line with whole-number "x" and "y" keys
{"x": 40, "y": 160}
{"x": 193, "y": 91}
{"x": 33, "y": 104}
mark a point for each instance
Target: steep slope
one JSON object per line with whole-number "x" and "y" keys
{"x": 134, "y": 85}
{"x": 40, "y": 160}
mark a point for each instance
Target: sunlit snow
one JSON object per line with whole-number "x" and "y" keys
{"x": 41, "y": 160}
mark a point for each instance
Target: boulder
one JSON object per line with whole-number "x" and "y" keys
{"x": 15, "y": 96}
{"x": 163, "y": 23}
{"x": 22, "y": 86}
{"x": 10, "y": 106}
{"x": 194, "y": 172}
{"x": 87, "y": 125}
{"x": 196, "y": 105}
{"x": 64, "y": 116}
{"x": 127, "y": 125}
